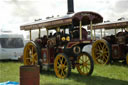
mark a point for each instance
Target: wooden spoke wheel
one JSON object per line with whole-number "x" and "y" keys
{"x": 101, "y": 52}
{"x": 85, "y": 64}
{"x": 62, "y": 66}
{"x": 30, "y": 54}
{"x": 127, "y": 58}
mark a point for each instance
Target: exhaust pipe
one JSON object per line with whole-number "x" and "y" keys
{"x": 70, "y": 7}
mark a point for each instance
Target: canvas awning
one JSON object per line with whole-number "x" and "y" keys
{"x": 111, "y": 25}
{"x": 74, "y": 19}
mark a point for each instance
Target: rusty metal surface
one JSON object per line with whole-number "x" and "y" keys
{"x": 29, "y": 75}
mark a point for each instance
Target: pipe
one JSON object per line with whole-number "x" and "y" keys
{"x": 70, "y": 6}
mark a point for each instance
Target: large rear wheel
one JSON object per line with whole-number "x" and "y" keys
{"x": 62, "y": 66}
{"x": 101, "y": 52}
{"x": 31, "y": 54}
{"x": 85, "y": 64}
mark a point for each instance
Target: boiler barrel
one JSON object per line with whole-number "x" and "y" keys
{"x": 29, "y": 75}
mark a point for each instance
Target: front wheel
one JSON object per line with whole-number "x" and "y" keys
{"x": 62, "y": 66}
{"x": 85, "y": 64}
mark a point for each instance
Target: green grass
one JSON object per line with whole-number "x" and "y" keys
{"x": 102, "y": 75}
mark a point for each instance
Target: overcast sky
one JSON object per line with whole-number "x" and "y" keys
{"x": 20, "y": 11}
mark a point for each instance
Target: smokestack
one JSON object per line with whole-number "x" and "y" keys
{"x": 70, "y": 6}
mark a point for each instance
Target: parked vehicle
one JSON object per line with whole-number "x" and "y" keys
{"x": 11, "y": 45}
{"x": 113, "y": 47}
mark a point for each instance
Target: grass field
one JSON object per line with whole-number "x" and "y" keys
{"x": 102, "y": 75}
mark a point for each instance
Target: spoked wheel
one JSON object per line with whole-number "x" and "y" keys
{"x": 85, "y": 64}
{"x": 62, "y": 66}
{"x": 127, "y": 58}
{"x": 31, "y": 54}
{"x": 101, "y": 52}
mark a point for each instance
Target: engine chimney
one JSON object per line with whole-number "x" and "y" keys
{"x": 70, "y": 6}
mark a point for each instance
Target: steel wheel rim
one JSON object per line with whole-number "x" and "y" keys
{"x": 61, "y": 66}
{"x": 30, "y": 54}
{"x": 100, "y": 52}
{"x": 84, "y": 64}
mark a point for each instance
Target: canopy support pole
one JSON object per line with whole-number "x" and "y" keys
{"x": 91, "y": 30}
{"x": 122, "y": 29}
{"x": 39, "y": 32}
{"x": 30, "y": 35}
{"x": 104, "y": 33}
{"x": 94, "y": 35}
{"x": 80, "y": 30}
{"x": 115, "y": 31}
{"x": 101, "y": 33}
{"x": 47, "y": 32}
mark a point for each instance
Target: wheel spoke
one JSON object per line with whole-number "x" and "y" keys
{"x": 84, "y": 58}
{"x": 65, "y": 69}
{"x": 105, "y": 51}
{"x": 58, "y": 67}
{"x": 83, "y": 68}
{"x": 34, "y": 54}
{"x": 96, "y": 49}
{"x": 62, "y": 60}
{"x": 87, "y": 59}
{"x": 32, "y": 50}
{"x": 106, "y": 57}
{"x": 81, "y": 60}
{"x": 98, "y": 57}
{"x": 28, "y": 49}
{"x": 87, "y": 67}
{"x": 103, "y": 46}
{"x": 62, "y": 73}
{"x": 100, "y": 45}
{"x": 58, "y": 62}
{"x": 28, "y": 58}
{"x": 98, "y": 52}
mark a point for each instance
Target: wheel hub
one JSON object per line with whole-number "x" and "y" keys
{"x": 84, "y": 64}
{"x": 62, "y": 66}
{"x": 102, "y": 52}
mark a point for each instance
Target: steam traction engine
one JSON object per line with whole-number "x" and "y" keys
{"x": 113, "y": 47}
{"x": 63, "y": 48}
